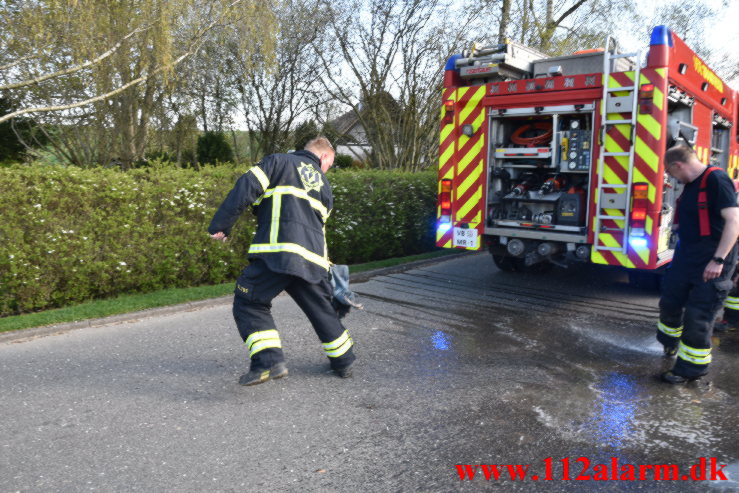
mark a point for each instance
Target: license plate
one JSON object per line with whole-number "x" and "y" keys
{"x": 466, "y": 238}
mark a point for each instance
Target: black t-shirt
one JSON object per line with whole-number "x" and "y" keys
{"x": 720, "y": 194}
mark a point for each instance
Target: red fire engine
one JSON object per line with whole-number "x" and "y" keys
{"x": 543, "y": 159}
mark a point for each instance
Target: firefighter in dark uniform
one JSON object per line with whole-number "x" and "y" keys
{"x": 292, "y": 199}
{"x": 699, "y": 278}
{"x": 728, "y": 317}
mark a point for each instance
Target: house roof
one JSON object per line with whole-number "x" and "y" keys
{"x": 345, "y": 122}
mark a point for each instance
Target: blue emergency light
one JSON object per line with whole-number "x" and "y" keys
{"x": 661, "y": 35}
{"x": 637, "y": 242}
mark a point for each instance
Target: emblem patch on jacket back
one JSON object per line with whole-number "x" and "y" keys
{"x": 310, "y": 177}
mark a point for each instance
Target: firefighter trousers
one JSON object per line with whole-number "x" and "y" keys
{"x": 731, "y": 306}
{"x": 255, "y": 289}
{"x": 687, "y": 311}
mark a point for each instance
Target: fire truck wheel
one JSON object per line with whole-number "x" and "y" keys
{"x": 505, "y": 263}
{"x": 514, "y": 264}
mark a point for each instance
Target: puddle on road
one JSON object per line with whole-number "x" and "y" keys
{"x": 599, "y": 376}
{"x": 731, "y": 471}
{"x": 625, "y": 412}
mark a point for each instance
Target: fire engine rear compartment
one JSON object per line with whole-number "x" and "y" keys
{"x": 538, "y": 181}
{"x": 541, "y": 157}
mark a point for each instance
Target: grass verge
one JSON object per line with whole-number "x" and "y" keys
{"x": 136, "y": 302}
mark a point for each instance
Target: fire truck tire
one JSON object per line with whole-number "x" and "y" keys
{"x": 507, "y": 263}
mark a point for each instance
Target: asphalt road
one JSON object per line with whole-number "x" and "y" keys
{"x": 459, "y": 363}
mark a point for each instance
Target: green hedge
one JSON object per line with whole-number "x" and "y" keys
{"x": 68, "y": 235}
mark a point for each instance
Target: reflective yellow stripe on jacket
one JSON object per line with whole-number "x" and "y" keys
{"x": 277, "y": 192}
{"x": 273, "y": 246}
{"x": 261, "y": 177}
{"x": 290, "y": 248}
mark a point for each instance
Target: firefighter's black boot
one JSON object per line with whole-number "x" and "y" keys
{"x": 255, "y": 377}
{"x": 675, "y": 379}
{"x": 345, "y": 372}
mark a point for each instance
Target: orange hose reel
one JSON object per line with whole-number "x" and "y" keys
{"x": 537, "y": 140}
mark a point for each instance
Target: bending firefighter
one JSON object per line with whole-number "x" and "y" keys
{"x": 699, "y": 278}
{"x": 292, "y": 199}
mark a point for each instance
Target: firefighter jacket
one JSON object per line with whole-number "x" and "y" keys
{"x": 292, "y": 199}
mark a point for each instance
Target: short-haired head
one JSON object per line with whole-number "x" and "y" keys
{"x": 681, "y": 153}
{"x": 319, "y": 145}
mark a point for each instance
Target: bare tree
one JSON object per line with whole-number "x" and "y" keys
{"x": 557, "y": 27}
{"x": 275, "y": 94}
{"x": 393, "y": 53}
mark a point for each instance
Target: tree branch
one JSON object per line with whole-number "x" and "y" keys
{"x": 569, "y": 11}
{"x": 197, "y": 42}
{"x": 75, "y": 68}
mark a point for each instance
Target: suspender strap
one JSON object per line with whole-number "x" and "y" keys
{"x": 703, "y": 221}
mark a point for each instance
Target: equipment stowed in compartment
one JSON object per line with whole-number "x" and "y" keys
{"x": 571, "y": 208}
{"x": 575, "y": 147}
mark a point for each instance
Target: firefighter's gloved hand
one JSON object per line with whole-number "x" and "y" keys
{"x": 342, "y": 299}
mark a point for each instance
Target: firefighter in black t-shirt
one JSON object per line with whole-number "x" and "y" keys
{"x": 699, "y": 278}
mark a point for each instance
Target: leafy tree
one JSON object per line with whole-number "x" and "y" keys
{"x": 101, "y": 70}
{"x": 184, "y": 140}
{"x": 11, "y": 148}
{"x": 15, "y": 135}
{"x": 343, "y": 161}
{"x": 214, "y": 148}
{"x": 303, "y": 133}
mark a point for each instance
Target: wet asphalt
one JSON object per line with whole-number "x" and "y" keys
{"x": 459, "y": 363}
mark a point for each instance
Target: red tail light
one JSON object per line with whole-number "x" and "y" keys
{"x": 638, "y": 215}
{"x": 646, "y": 91}
{"x": 445, "y": 201}
{"x": 449, "y": 112}
{"x": 639, "y": 206}
{"x": 646, "y": 95}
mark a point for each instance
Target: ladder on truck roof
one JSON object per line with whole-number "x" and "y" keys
{"x": 615, "y": 205}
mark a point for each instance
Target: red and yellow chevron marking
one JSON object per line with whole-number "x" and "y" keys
{"x": 446, "y": 163}
{"x": 462, "y": 159}
{"x": 649, "y": 136}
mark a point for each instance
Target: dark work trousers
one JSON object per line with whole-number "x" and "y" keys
{"x": 731, "y": 306}
{"x": 257, "y": 286}
{"x": 687, "y": 311}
